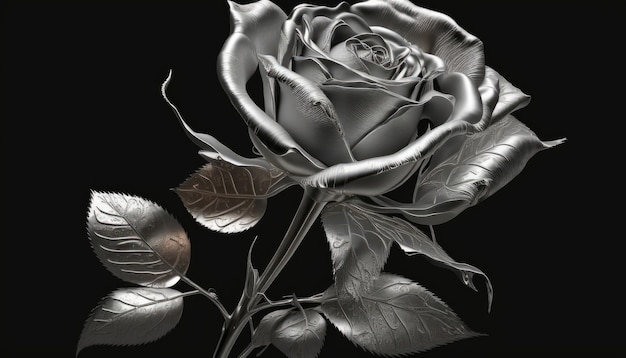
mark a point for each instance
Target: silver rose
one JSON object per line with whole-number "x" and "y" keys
{"x": 358, "y": 101}
{"x": 346, "y": 89}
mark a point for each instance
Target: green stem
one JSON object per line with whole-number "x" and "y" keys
{"x": 308, "y": 212}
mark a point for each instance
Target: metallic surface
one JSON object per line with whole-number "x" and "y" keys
{"x": 396, "y": 317}
{"x": 137, "y": 240}
{"x": 132, "y": 316}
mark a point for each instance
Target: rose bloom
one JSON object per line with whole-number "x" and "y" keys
{"x": 358, "y": 98}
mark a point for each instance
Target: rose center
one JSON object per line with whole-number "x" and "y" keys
{"x": 377, "y": 54}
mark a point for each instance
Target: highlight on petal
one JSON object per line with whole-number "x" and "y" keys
{"x": 432, "y": 31}
{"x": 489, "y": 92}
{"x": 237, "y": 62}
{"x": 348, "y": 178}
{"x": 467, "y": 102}
{"x": 313, "y": 11}
{"x": 308, "y": 115}
{"x": 260, "y": 21}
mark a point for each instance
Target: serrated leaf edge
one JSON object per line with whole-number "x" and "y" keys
{"x": 89, "y": 209}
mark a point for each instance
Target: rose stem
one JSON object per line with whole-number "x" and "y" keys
{"x": 307, "y": 213}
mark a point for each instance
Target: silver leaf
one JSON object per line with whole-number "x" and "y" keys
{"x": 300, "y": 334}
{"x": 413, "y": 241}
{"x": 358, "y": 249}
{"x": 228, "y": 198}
{"x": 485, "y": 162}
{"x": 132, "y": 316}
{"x": 396, "y": 317}
{"x": 252, "y": 275}
{"x": 137, "y": 240}
{"x": 263, "y": 333}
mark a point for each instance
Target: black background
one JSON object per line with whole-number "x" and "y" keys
{"x": 82, "y": 110}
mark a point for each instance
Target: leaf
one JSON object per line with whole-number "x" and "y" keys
{"x": 396, "y": 317}
{"x": 492, "y": 157}
{"x": 263, "y": 333}
{"x": 228, "y": 198}
{"x": 300, "y": 334}
{"x": 413, "y": 241}
{"x": 358, "y": 250}
{"x": 137, "y": 240}
{"x": 485, "y": 162}
{"x": 132, "y": 316}
{"x": 252, "y": 275}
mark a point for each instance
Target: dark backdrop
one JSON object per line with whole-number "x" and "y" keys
{"x": 82, "y": 110}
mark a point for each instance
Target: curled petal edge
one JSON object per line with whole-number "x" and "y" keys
{"x": 309, "y": 103}
{"x": 432, "y": 31}
{"x": 237, "y": 62}
{"x": 340, "y": 176}
{"x": 261, "y": 21}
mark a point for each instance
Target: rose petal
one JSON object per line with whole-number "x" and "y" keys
{"x": 467, "y": 105}
{"x": 356, "y": 23}
{"x": 433, "y": 66}
{"x": 343, "y": 53}
{"x": 363, "y": 47}
{"x": 327, "y": 32}
{"x": 287, "y": 42}
{"x": 260, "y": 22}
{"x": 392, "y": 136}
{"x": 291, "y": 161}
{"x": 347, "y": 178}
{"x": 490, "y": 95}
{"x": 438, "y": 107}
{"x": 403, "y": 87}
{"x": 432, "y": 31}
{"x": 360, "y": 110}
{"x": 310, "y": 68}
{"x": 489, "y": 91}
{"x": 296, "y": 20}
{"x": 313, "y": 11}
{"x": 308, "y": 115}
{"x": 236, "y": 63}
{"x": 419, "y": 63}
{"x": 511, "y": 97}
